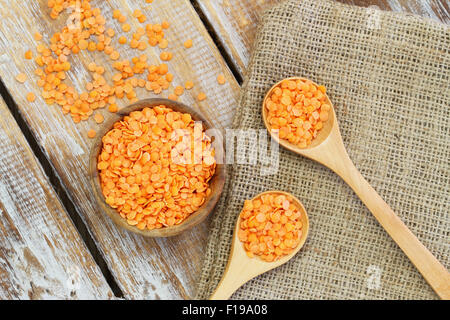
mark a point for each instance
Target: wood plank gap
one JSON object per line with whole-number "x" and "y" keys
{"x": 60, "y": 191}
{"x": 219, "y": 44}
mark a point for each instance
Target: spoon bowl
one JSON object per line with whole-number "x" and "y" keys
{"x": 321, "y": 136}
{"x": 241, "y": 268}
{"x": 328, "y": 149}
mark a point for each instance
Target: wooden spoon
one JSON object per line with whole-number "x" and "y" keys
{"x": 241, "y": 268}
{"x": 328, "y": 149}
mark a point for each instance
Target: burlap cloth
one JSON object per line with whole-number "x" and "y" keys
{"x": 388, "y": 77}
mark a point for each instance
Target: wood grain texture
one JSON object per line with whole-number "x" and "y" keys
{"x": 143, "y": 268}
{"x": 41, "y": 253}
{"x": 235, "y": 21}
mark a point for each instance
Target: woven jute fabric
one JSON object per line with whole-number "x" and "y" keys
{"x": 388, "y": 77}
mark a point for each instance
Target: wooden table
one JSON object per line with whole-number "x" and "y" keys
{"x": 54, "y": 241}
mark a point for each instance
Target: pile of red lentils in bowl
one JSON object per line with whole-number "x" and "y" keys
{"x": 155, "y": 167}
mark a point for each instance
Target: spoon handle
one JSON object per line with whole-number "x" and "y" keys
{"x": 237, "y": 272}
{"x": 431, "y": 269}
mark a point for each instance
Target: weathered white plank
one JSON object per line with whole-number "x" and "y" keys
{"x": 235, "y": 21}
{"x": 143, "y": 268}
{"x": 41, "y": 254}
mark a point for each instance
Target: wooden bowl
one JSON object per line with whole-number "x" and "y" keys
{"x": 216, "y": 182}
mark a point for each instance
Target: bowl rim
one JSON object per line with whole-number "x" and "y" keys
{"x": 197, "y": 216}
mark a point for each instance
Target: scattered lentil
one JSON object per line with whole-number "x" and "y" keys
{"x": 188, "y": 43}
{"x": 29, "y": 55}
{"x": 126, "y": 27}
{"x": 201, "y": 96}
{"x": 122, "y": 40}
{"x": 172, "y": 96}
{"x": 92, "y": 133}
{"x": 21, "y": 77}
{"x": 37, "y": 36}
{"x": 31, "y": 97}
{"x": 165, "y": 25}
{"x": 166, "y": 56}
{"x": 98, "y": 117}
{"x": 178, "y": 90}
{"x": 221, "y": 79}
{"x": 137, "y": 13}
{"x": 169, "y": 77}
{"x": 189, "y": 85}
{"x": 122, "y": 19}
{"x": 113, "y": 108}
{"x": 163, "y": 43}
